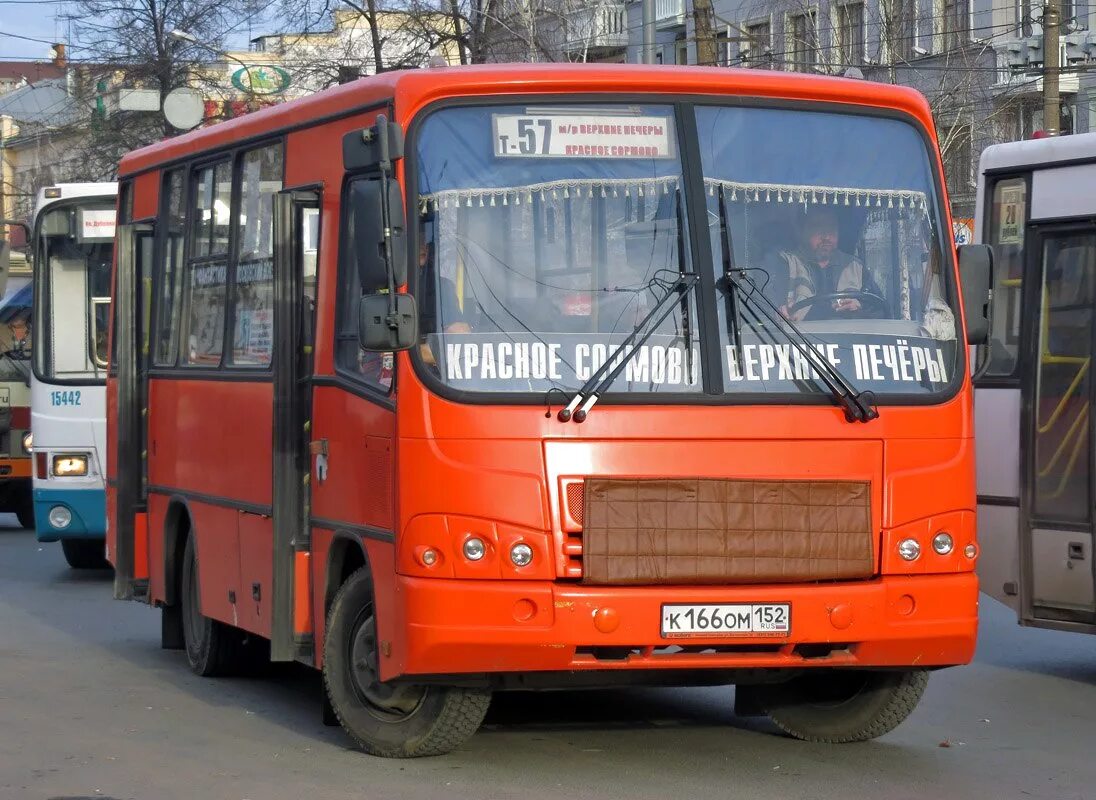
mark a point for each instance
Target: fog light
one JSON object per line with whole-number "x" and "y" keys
{"x": 970, "y": 551}
{"x": 28, "y": 442}
{"x": 909, "y": 549}
{"x": 474, "y": 549}
{"x": 70, "y": 466}
{"x": 429, "y": 557}
{"x": 60, "y": 517}
{"x": 942, "y": 543}
{"x": 521, "y": 554}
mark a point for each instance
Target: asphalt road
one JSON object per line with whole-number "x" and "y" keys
{"x": 90, "y": 707}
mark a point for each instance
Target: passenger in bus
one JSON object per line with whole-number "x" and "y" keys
{"x": 817, "y": 267}
{"x": 15, "y": 362}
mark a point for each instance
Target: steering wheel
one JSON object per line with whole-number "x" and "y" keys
{"x": 872, "y": 306}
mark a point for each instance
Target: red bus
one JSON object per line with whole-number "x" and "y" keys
{"x": 455, "y": 381}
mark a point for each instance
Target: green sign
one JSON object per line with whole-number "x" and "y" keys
{"x": 261, "y": 79}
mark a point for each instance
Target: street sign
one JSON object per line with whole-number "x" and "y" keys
{"x": 184, "y": 108}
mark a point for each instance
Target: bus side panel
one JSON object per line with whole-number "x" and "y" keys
{"x": 212, "y": 438}
{"x": 256, "y": 572}
{"x": 218, "y": 547}
{"x": 157, "y": 532}
{"x": 112, "y": 466}
{"x": 146, "y": 195}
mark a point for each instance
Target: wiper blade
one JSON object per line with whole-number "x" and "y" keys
{"x": 603, "y": 377}
{"x": 859, "y": 406}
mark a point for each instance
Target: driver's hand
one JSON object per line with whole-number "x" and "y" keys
{"x": 846, "y": 304}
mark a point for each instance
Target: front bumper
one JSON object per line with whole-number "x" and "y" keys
{"x": 89, "y": 513}
{"x": 454, "y": 627}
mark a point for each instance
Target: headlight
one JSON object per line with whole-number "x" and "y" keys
{"x": 70, "y": 466}
{"x": 942, "y": 543}
{"x": 909, "y": 549}
{"x": 521, "y": 554}
{"x": 28, "y": 442}
{"x": 474, "y": 549}
{"x": 60, "y": 517}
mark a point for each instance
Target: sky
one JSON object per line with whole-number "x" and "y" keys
{"x": 38, "y": 19}
{"x": 31, "y": 18}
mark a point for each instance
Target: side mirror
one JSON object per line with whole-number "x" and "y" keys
{"x": 382, "y": 329}
{"x": 976, "y": 276}
{"x": 367, "y": 234}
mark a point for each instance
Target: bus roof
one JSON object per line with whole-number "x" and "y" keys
{"x": 411, "y": 89}
{"x": 67, "y": 191}
{"x": 1037, "y": 152}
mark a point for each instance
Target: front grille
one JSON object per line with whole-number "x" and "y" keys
{"x": 715, "y": 531}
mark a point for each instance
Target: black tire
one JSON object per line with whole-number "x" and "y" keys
{"x": 838, "y": 706}
{"x": 394, "y": 721}
{"x": 85, "y": 553}
{"x": 25, "y": 514}
{"x": 212, "y": 648}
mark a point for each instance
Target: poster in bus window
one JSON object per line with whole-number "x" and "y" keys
{"x": 255, "y": 336}
{"x": 1010, "y": 215}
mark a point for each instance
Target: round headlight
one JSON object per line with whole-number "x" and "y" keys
{"x": 909, "y": 549}
{"x": 429, "y": 557}
{"x": 521, "y": 554}
{"x": 970, "y": 551}
{"x": 474, "y": 549}
{"x": 60, "y": 517}
{"x": 942, "y": 543}
{"x": 28, "y": 441}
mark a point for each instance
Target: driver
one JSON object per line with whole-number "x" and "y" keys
{"x": 15, "y": 363}
{"x": 817, "y": 267}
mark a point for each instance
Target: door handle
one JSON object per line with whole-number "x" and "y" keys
{"x": 318, "y": 448}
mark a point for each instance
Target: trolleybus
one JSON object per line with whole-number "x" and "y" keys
{"x": 455, "y": 381}
{"x": 73, "y": 236}
{"x": 1037, "y": 210}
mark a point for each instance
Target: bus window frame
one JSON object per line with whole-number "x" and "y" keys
{"x": 980, "y": 379}
{"x": 225, "y": 369}
{"x": 700, "y": 246}
{"x": 342, "y": 376}
{"x": 37, "y": 320}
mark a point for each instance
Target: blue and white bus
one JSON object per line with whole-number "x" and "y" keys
{"x": 73, "y": 240}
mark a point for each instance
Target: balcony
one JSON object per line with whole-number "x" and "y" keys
{"x": 669, "y": 13}
{"x": 597, "y": 28}
{"x": 1017, "y": 79}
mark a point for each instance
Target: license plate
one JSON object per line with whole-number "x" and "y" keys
{"x": 739, "y": 619}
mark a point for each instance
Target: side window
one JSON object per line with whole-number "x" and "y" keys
{"x": 373, "y": 369}
{"x": 173, "y": 225}
{"x": 203, "y": 313}
{"x": 253, "y": 301}
{"x": 1007, "y": 218}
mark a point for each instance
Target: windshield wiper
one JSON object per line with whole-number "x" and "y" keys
{"x": 603, "y": 377}
{"x": 859, "y": 406}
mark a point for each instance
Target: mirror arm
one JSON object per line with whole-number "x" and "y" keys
{"x": 385, "y": 164}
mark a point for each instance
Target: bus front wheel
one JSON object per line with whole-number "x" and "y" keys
{"x": 837, "y": 706}
{"x": 390, "y": 720}
{"x": 85, "y": 553}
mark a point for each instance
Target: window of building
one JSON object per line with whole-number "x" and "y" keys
{"x": 956, "y": 20}
{"x": 375, "y": 370}
{"x": 758, "y": 51}
{"x": 723, "y": 54}
{"x": 958, "y": 159}
{"x": 253, "y": 288}
{"x": 802, "y": 43}
{"x": 203, "y": 314}
{"x": 899, "y": 28}
{"x": 850, "y": 34}
{"x": 173, "y": 227}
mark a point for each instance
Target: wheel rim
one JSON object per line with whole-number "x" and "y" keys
{"x": 386, "y": 702}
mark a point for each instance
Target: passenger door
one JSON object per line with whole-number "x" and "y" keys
{"x": 296, "y": 221}
{"x": 128, "y": 535}
{"x": 1058, "y": 394}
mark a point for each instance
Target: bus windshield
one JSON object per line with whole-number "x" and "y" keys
{"x": 73, "y": 254}
{"x": 546, "y": 233}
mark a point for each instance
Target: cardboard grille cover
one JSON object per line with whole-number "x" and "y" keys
{"x": 683, "y": 531}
